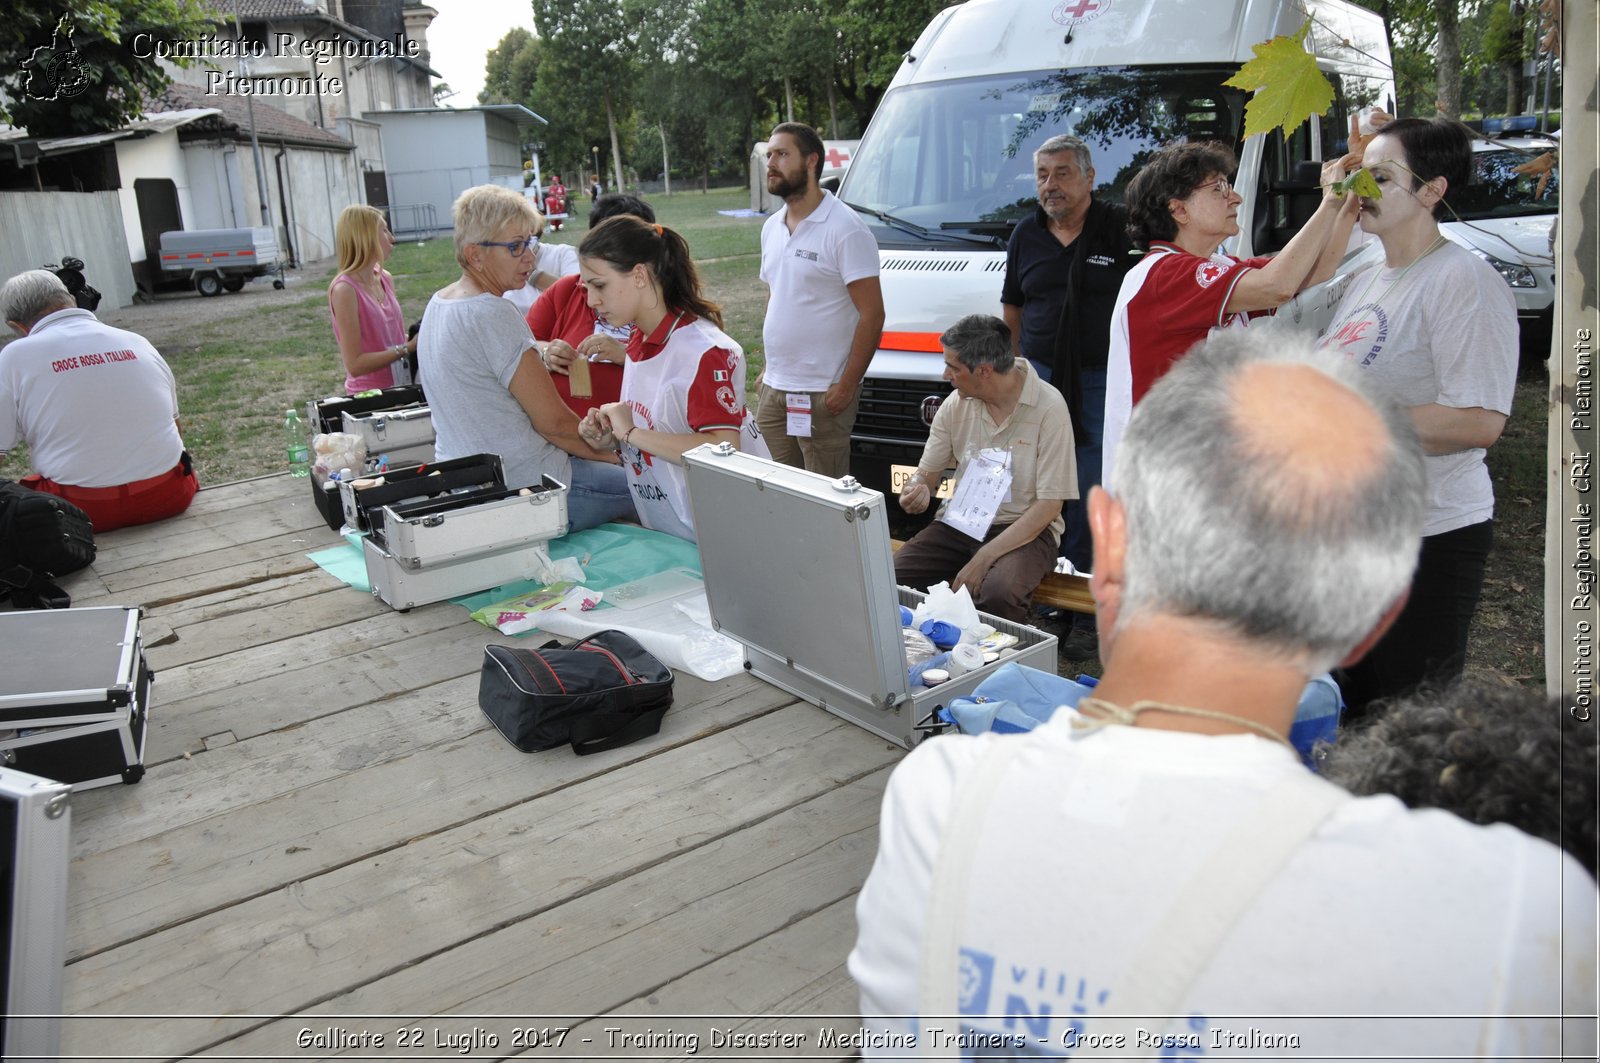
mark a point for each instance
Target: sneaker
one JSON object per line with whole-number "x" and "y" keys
{"x": 1079, "y": 644}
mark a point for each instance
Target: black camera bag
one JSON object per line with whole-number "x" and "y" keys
{"x": 42, "y": 537}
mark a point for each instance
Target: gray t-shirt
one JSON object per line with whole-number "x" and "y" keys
{"x": 470, "y": 350}
{"x": 1443, "y": 331}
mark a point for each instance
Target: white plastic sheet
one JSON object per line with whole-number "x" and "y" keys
{"x": 677, "y": 630}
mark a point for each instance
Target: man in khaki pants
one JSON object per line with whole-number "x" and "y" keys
{"x": 824, "y": 309}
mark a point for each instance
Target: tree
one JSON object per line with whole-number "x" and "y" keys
{"x": 1505, "y": 43}
{"x": 511, "y": 68}
{"x": 586, "y": 62}
{"x": 92, "y": 70}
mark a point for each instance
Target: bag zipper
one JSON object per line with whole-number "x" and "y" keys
{"x": 627, "y": 677}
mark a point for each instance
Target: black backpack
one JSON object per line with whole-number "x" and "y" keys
{"x": 42, "y": 537}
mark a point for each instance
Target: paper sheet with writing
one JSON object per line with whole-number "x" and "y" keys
{"x": 984, "y": 486}
{"x": 799, "y": 408}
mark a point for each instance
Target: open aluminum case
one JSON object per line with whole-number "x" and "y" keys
{"x": 798, "y": 567}
{"x": 35, "y": 828}
{"x": 75, "y": 693}
{"x": 327, "y": 415}
{"x": 427, "y": 549}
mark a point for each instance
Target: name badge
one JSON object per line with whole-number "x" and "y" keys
{"x": 799, "y": 409}
{"x": 984, "y": 486}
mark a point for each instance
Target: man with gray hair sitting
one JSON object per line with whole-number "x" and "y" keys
{"x": 97, "y": 406}
{"x": 1156, "y": 872}
{"x": 1009, "y": 437}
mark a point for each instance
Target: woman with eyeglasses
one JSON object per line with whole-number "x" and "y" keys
{"x": 684, "y": 380}
{"x": 1181, "y": 207}
{"x": 551, "y": 262}
{"x": 1437, "y": 327}
{"x": 367, "y": 323}
{"x": 488, "y": 390}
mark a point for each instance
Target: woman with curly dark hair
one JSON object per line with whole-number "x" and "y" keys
{"x": 1181, "y": 207}
{"x": 1486, "y": 752}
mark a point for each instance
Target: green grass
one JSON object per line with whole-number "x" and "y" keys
{"x": 238, "y": 372}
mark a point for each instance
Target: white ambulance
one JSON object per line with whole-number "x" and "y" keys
{"x": 945, "y": 169}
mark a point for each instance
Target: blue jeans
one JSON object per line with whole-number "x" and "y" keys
{"x": 598, "y": 493}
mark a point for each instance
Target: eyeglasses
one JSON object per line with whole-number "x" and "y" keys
{"x": 516, "y": 247}
{"x": 1221, "y": 186}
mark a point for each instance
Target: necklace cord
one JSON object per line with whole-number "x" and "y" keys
{"x": 1095, "y": 713}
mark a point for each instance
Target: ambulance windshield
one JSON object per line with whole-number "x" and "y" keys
{"x": 956, "y": 156}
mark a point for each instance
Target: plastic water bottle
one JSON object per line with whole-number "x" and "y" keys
{"x": 295, "y": 437}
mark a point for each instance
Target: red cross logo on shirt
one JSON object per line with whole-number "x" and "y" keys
{"x": 837, "y": 158}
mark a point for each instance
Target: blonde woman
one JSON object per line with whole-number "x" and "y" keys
{"x": 367, "y": 323}
{"x": 489, "y": 391}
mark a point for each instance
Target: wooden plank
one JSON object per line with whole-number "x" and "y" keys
{"x": 258, "y": 770}
{"x": 253, "y": 817}
{"x": 786, "y": 994}
{"x": 207, "y": 605}
{"x": 306, "y": 943}
{"x": 308, "y": 649}
{"x": 603, "y": 947}
{"x": 261, "y": 520}
{"x": 215, "y": 568}
{"x": 330, "y": 608}
{"x": 152, "y": 586}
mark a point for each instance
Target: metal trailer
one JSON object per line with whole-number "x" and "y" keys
{"x": 218, "y": 260}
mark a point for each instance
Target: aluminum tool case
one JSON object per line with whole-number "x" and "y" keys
{"x": 387, "y": 431}
{"x": 75, "y": 694}
{"x": 430, "y": 549}
{"x": 35, "y": 830}
{"x": 799, "y": 569}
{"x": 363, "y": 500}
{"x": 327, "y": 415}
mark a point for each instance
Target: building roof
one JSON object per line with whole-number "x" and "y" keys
{"x": 231, "y": 117}
{"x": 514, "y": 111}
{"x": 159, "y": 122}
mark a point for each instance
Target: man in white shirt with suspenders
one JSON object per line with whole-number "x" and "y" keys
{"x": 1157, "y": 874}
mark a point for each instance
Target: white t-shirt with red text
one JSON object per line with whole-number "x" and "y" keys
{"x": 95, "y": 404}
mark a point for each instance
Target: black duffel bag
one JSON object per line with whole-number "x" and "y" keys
{"x": 42, "y": 537}
{"x": 598, "y": 694}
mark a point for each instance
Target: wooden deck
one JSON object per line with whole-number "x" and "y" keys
{"x": 331, "y": 844}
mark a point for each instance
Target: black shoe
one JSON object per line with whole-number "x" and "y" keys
{"x": 1079, "y": 644}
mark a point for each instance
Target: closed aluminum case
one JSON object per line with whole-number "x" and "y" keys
{"x": 403, "y": 587}
{"x": 799, "y": 568}
{"x": 389, "y": 430}
{"x": 432, "y": 531}
{"x": 68, "y": 666}
{"x": 35, "y": 836}
{"x": 75, "y": 695}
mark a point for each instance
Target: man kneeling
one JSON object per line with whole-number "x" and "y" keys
{"x": 1009, "y": 436}
{"x": 96, "y": 405}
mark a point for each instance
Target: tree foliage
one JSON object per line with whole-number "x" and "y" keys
{"x": 81, "y": 75}
{"x": 586, "y": 78}
{"x": 510, "y": 69}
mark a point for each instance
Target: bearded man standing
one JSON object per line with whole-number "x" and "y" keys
{"x": 824, "y": 309}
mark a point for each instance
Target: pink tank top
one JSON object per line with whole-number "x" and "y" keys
{"x": 381, "y": 326}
